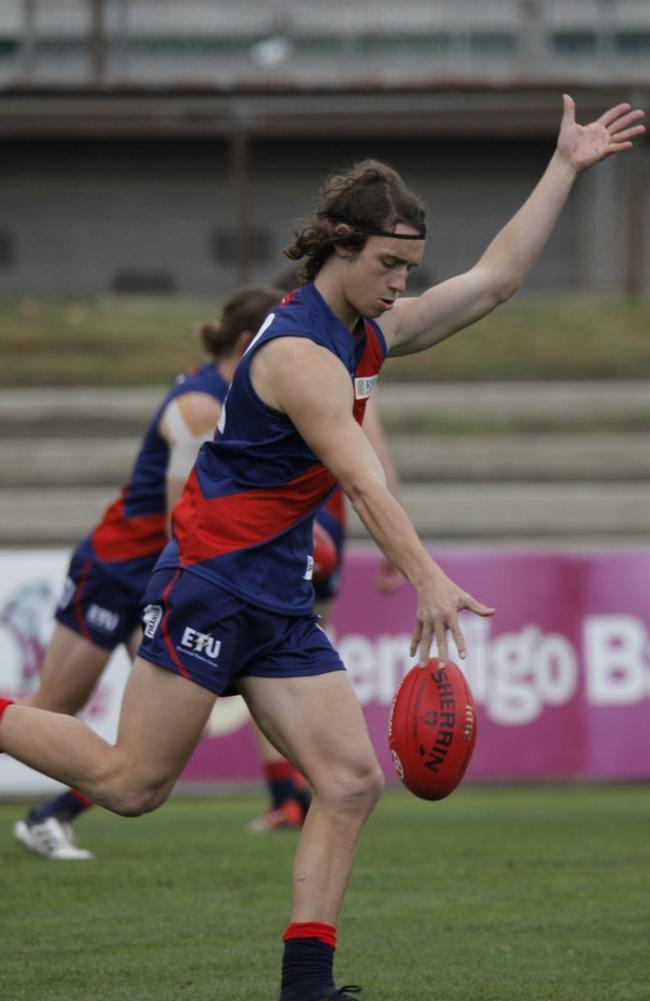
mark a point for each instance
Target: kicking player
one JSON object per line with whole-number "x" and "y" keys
{"x": 289, "y": 793}
{"x": 230, "y": 600}
{"x": 101, "y": 603}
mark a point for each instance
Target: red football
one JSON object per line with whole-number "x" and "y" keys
{"x": 325, "y": 555}
{"x": 432, "y": 729}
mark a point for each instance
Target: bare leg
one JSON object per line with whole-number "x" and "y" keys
{"x": 161, "y": 721}
{"x": 288, "y": 792}
{"x": 71, "y": 669}
{"x": 268, "y": 753}
{"x": 331, "y": 747}
{"x": 135, "y": 640}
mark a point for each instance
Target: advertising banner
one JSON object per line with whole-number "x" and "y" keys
{"x": 31, "y": 584}
{"x": 561, "y": 673}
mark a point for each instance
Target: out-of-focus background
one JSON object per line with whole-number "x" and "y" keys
{"x": 156, "y": 154}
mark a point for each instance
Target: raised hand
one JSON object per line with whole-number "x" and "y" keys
{"x": 584, "y": 145}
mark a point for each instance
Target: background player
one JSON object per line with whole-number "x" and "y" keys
{"x": 102, "y": 598}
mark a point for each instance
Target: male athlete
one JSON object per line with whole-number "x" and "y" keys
{"x": 290, "y": 797}
{"x": 230, "y": 601}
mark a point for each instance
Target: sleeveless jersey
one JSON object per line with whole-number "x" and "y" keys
{"x": 245, "y": 519}
{"x": 132, "y": 531}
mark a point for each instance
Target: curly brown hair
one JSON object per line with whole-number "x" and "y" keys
{"x": 369, "y": 196}
{"x": 245, "y": 309}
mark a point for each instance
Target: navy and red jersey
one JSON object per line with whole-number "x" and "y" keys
{"x": 245, "y": 519}
{"x": 132, "y": 532}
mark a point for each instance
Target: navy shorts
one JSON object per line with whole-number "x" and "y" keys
{"x": 202, "y": 632}
{"x": 98, "y": 606}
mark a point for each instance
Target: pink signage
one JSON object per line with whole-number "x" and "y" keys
{"x": 561, "y": 674}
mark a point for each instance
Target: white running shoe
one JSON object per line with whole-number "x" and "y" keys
{"x": 50, "y": 838}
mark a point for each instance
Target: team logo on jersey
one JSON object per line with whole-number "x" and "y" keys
{"x": 200, "y": 643}
{"x": 363, "y": 386}
{"x": 102, "y": 618}
{"x": 151, "y": 620}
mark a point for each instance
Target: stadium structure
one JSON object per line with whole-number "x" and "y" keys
{"x": 205, "y": 126}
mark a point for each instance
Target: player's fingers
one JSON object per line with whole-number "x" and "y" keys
{"x": 476, "y": 606}
{"x": 459, "y": 639}
{"x": 568, "y": 109}
{"x": 415, "y": 639}
{"x": 426, "y": 639}
{"x": 441, "y": 637}
{"x": 612, "y": 114}
{"x": 627, "y": 122}
{"x": 617, "y": 148}
{"x": 623, "y": 138}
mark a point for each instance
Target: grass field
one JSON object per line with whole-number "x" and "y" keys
{"x": 497, "y": 894}
{"x": 138, "y": 342}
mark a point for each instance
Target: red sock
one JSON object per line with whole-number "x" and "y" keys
{"x": 278, "y": 771}
{"x": 3, "y": 705}
{"x": 80, "y": 797}
{"x": 279, "y": 779}
{"x": 299, "y": 780}
{"x": 311, "y": 929}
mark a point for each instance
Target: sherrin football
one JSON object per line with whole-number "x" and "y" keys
{"x": 325, "y": 555}
{"x": 432, "y": 729}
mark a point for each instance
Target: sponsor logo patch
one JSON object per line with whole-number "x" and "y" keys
{"x": 102, "y": 618}
{"x": 151, "y": 620}
{"x": 363, "y": 386}
{"x": 309, "y": 572}
{"x": 201, "y": 645}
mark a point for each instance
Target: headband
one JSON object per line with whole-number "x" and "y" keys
{"x": 393, "y": 236}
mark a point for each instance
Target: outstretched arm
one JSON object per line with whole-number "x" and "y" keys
{"x": 419, "y": 323}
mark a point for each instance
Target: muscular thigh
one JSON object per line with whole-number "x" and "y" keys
{"x": 71, "y": 669}
{"x": 315, "y": 721}
{"x": 162, "y": 718}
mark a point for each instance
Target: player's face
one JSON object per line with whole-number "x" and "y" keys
{"x": 376, "y": 278}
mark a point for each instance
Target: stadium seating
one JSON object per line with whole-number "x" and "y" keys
{"x": 514, "y": 479}
{"x": 231, "y": 42}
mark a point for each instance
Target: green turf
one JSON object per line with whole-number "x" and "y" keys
{"x": 497, "y": 894}
{"x": 133, "y": 341}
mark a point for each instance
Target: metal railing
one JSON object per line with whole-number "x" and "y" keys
{"x": 230, "y": 42}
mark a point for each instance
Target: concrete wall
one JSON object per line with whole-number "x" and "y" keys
{"x": 74, "y": 215}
